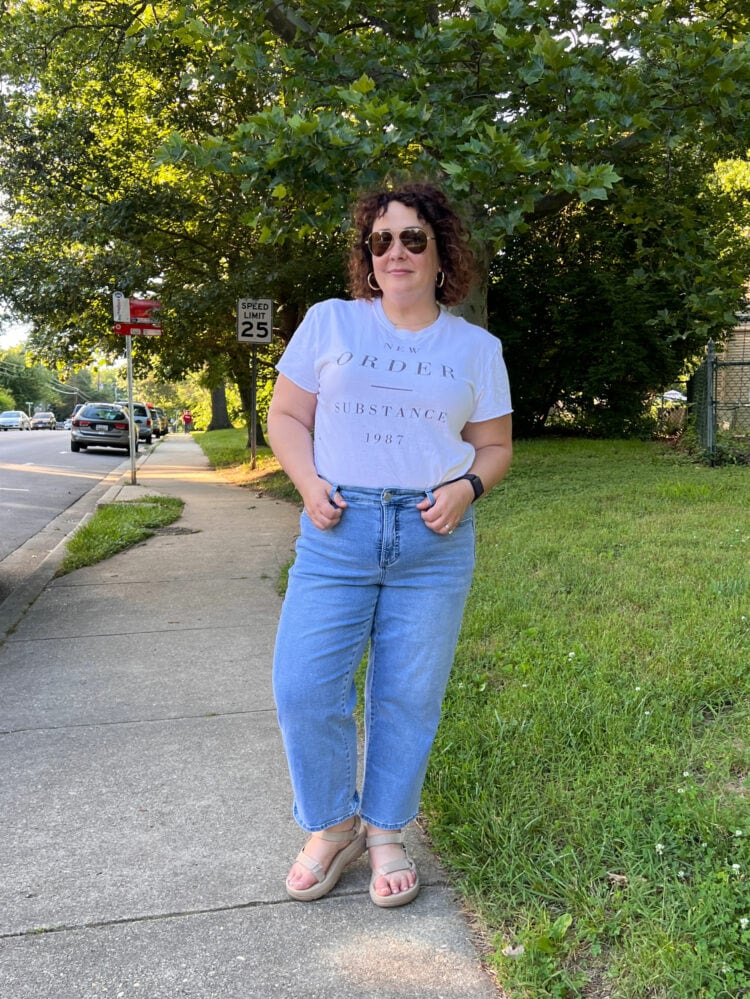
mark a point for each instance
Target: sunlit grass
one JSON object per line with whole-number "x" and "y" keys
{"x": 116, "y": 526}
{"x": 229, "y": 454}
{"x": 589, "y": 782}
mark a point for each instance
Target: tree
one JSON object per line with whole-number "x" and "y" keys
{"x": 600, "y": 306}
{"x": 91, "y": 213}
{"x": 29, "y": 384}
{"x": 567, "y": 105}
{"x": 202, "y": 151}
{"x": 522, "y": 109}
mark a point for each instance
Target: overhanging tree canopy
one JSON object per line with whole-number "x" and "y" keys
{"x": 214, "y": 147}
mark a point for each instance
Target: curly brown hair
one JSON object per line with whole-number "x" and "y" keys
{"x": 432, "y": 206}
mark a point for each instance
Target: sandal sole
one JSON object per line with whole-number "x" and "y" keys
{"x": 393, "y": 901}
{"x": 342, "y": 859}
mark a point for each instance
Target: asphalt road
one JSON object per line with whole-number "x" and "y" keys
{"x": 40, "y": 477}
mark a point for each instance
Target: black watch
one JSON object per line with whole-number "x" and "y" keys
{"x": 476, "y": 484}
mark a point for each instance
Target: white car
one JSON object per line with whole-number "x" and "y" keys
{"x": 14, "y": 419}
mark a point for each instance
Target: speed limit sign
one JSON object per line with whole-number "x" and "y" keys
{"x": 255, "y": 320}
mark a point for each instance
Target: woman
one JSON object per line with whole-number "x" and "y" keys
{"x": 410, "y": 409}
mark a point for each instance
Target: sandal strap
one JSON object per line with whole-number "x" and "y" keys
{"x": 395, "y": 837}
{"x": 312, "y": 865}
{"x": 405, "y": 864}
{"x": 347, "y": 836}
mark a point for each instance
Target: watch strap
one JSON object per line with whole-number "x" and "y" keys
{"x": 476, "y": 484}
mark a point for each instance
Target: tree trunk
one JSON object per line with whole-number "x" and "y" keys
{"x": 219, "y": 415}
{"x": 243, "y": 377}
{"x": 474, "y": 307}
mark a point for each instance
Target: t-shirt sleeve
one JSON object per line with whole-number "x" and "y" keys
{"x": 492, "y": 388}
{"x": 299, "y": 362}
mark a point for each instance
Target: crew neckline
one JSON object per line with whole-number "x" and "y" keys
{"x": 401, "y": 331}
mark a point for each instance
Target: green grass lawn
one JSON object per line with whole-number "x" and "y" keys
{"x": 589, "y": 787}
{"x": 115, "y": 527}
{"x": 228, "y": 452}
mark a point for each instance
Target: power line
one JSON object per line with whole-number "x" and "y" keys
{"x": 13, "y": 368}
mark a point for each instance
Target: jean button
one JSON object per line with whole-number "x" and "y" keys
{"x": 387, "y": 496}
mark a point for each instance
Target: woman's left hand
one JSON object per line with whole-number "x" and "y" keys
{"x": 451, "y": 503}
{"x": 493, "y": 447}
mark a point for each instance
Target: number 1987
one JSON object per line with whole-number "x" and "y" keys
{"x": 383, "y": 438}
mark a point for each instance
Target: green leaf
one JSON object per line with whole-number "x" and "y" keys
{"x": 364, "y": 85}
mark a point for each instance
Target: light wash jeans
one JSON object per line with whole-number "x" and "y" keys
{"x": 380, "y": 576}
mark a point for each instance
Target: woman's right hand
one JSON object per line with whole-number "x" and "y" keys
{"x": 323, "y": 512}
{"x": 291, "y": 418}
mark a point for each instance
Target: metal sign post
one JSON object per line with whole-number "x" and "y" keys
{"x": 132, "y": 426}
{"x": 254, "y": 408}
{"x": 140, "y": 317}
{"x": 254, "y": 327}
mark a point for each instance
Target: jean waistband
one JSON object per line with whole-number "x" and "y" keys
{"x": 395, "y": 495}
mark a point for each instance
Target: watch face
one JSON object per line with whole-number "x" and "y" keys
{"x": 478, "y": 486}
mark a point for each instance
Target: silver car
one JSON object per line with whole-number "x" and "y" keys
{"x": 142, "y": 416}
{"x": 100, "y": 424}
{"x": 14, "y": 419}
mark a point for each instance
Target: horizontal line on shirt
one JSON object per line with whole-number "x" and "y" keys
{"x": 392, "y": 388}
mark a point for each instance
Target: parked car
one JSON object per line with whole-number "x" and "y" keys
{"x": 142, "y": 416}
{"x": 160, "y": 421}
{"x": 155, "y": 421}
{"x": 100, "y": 424}
{"x": 43, "y": 421}
{"x": 14, "y": 419}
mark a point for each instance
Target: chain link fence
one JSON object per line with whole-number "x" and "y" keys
{"x": 720, "y": 400}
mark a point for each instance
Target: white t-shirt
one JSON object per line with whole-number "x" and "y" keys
{"x": 392, "y": 403}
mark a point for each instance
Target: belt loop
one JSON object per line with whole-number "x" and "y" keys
{"x": 430, "y": 497}
{"x": 334, "y": 490}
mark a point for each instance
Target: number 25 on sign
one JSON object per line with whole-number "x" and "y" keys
{"x": 255, "y": 320}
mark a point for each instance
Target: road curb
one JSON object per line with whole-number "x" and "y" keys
{"x": 35, "y": 571}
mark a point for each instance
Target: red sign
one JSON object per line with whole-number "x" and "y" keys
{"x": 145, "y": 309}
{"x": 136, "y": 316}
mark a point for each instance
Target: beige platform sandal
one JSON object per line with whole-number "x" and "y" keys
{"x": 405, "y": 864}
{"x": 327, "y": 880}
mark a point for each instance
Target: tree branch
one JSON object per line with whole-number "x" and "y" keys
{"x": 287, "y": 23}
{"x": 551, "y": 204}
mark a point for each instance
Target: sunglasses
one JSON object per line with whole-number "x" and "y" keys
{"x": 412, "y": 239}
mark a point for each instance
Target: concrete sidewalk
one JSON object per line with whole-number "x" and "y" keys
{"x": 144, "y": 799}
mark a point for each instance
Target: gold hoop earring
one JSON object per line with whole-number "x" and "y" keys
{"x": 440, "y": 279}
{"x": 373, "y": 287}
